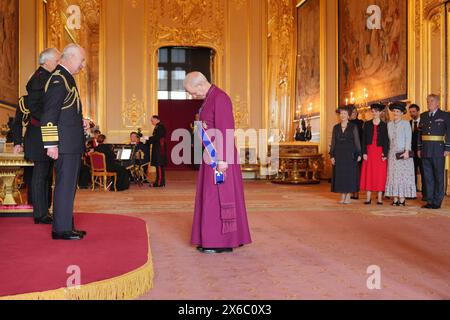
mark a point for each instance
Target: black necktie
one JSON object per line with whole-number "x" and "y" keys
{"x": 415, "y": 126}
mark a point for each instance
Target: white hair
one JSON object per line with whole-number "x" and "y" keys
{"x": 70, "y": 50}
{"x": 47, "y": 54}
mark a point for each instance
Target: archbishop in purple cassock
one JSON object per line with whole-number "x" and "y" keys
{"x": 220, "y": 218}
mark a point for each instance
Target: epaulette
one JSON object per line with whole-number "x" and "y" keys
{"x": 57, "y": 73}
{"x": 72, "y": 96}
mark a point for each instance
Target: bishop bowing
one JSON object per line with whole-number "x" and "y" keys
{"x": 220, "y": 217}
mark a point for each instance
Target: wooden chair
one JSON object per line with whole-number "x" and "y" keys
{"x": 99, "y": 172}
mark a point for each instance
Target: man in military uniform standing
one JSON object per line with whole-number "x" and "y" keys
{"x": 159, "y": 152}
{"x": 434, "y": 146}
{"x": 29, "y": 113}
{"x": 63, "y": 133}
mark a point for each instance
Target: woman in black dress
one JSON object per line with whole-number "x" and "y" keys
{"x": 345, "y": 154}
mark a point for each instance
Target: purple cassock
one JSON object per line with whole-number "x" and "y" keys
{"x": 220, "y": 218}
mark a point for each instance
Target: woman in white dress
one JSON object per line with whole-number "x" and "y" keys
{"x": 400, "y": 179}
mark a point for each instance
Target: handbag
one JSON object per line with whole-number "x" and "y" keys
{"x": 399, "y": 155}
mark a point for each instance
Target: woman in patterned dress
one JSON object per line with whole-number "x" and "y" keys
{"x": 401, "y": 179}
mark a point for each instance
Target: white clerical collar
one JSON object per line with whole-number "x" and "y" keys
{"x": 65, "y": 68}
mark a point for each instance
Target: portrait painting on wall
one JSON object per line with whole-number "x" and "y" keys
{"x": 308, "y": 63}
{"x": 372, "y": 50}
{"x": 9, "y": 51}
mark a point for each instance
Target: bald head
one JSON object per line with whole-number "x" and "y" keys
{"x": 196, "y": 85}
{"x": 73, "y": 58}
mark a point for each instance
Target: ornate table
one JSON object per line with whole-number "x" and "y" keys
{"x": 11, "y": 167}
{"x": 299, "y": 163}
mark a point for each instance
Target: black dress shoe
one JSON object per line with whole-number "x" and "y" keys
{"x": 396, "y": 204}
{"x": 70, "y": 235}
{"x": 44, "y": 220}
{"x": 402, "y": 203}
{"x": 368, "y": 202}
{"x": 435, "y": 207}
{"x": 379, "y": 203}
{"x": 80, "y": 232}
{"x": 215, "y": 250}
{"x": 428, "y": 206}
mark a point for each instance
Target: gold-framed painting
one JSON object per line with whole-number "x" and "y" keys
{"x": 373, "y": 49}
{"x": 9, "y": 51}
{"x": 308, "y": 57}
{"x": 308, "y": 63}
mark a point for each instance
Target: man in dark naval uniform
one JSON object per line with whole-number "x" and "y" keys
{"x": 63, "y": 133}
{"x": 29, "y": 113}
{"x": 159, "y": 152}
{"x": 434, "y": 146}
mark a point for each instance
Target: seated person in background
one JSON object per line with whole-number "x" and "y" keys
{"x": 123, "y": 181}
{"x": 94, "y": 139}
{"x": 85, "y": 169}
{"x": 140, "y": 158}
{"x": 135, "y": 141}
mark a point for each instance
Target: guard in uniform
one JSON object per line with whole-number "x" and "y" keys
{"x": 63, "y": 133}
{"x": 29, "y": 113}
{"x": 434, "y": 146}
{"x": 159, "y": 152}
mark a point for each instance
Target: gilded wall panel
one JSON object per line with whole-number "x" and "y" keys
{"x": 59, "y": 35}
{"x": 9, "y": 51}
{"x": 280, "y": 70}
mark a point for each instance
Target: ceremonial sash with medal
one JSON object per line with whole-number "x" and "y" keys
{"x": 219, "y": 177}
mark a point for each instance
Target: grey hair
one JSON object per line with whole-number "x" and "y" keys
{"x": 195, "y": 79}
{"x": 435, "y": 97}
{"x": 47, "y": 54}
{"x": 70, "y": 50}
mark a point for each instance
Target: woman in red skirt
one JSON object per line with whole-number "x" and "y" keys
{"x": 375, "y": 149}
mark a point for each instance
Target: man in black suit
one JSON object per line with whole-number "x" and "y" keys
{"x": 123, "y": 180}
{"x": 159, "y": 152}
{"x": 414, "y": 112}
{"x": 434, "y": 146}
{"x": 63, "y": 133}
{"x": 29, "y": 113}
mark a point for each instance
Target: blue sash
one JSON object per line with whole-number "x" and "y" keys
{"x": 219, "y": 177}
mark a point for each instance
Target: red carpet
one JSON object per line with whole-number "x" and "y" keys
{"x": 30, "y": 261}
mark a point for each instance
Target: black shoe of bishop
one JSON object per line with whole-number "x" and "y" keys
{"x": 70, "y": 235}
{"x": 216, "y": 250}
{"x": 428, "y": 206}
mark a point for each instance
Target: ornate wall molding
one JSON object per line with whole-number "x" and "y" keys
{"x": 88, "y": 37}
{"x": 241, "y": 114}
{"x": 429, "y": 6}
{"x": 280, "y": 38}
{"x": 133, "y": 113}
{"x": 187, "y": 22}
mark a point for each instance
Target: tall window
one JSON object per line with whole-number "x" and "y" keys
{"x": 173, "y": 65}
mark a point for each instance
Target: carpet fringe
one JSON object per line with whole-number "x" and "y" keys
{"x": 125, "y": 287}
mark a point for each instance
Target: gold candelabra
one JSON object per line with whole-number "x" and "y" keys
{"x": 360, "y": 104}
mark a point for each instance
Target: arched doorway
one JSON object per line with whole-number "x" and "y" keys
{"x": 175, "y": 107}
